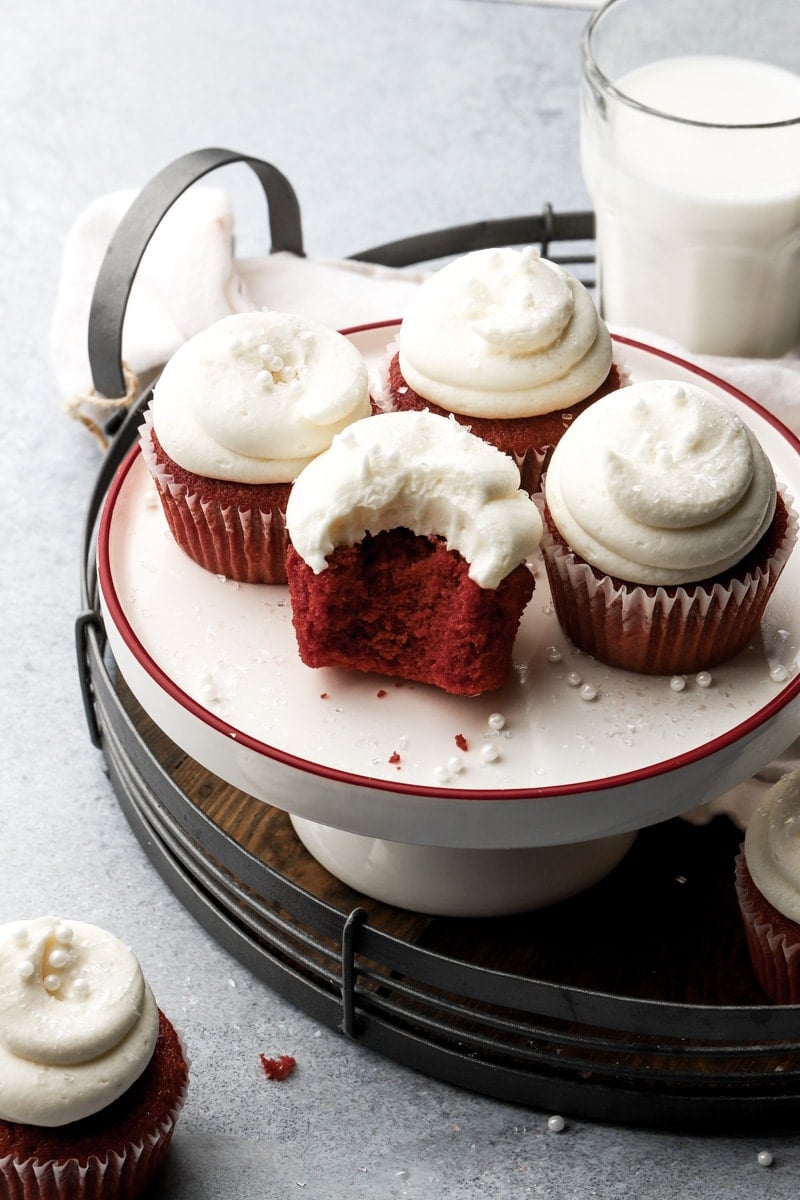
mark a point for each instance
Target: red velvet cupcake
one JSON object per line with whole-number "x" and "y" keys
{"x": 768, "y": 890}
{"x": 409, "y": 540}
{"x": 664, "y": 533}
{"x": 92, "y": 1074}
{"x": 238, "y": 412}
{"x": 508, "y": 343}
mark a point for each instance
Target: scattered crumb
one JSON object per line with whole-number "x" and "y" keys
{"x": 381, "y": 692}
{"x": 278, "y": 1068}
{"x": 461, "y": 742}
{"x": 323, "y": 695}
{"x": 394, "y": 757}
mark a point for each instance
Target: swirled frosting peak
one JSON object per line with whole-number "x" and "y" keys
{"x": 772, "y": 846}
{"x": 78, "y": 1023}
{"x": 660, "y": 483}
{"x": 257, "y": 395}
{"x": 425, "y": 473}
{"x": 503, "y": 333}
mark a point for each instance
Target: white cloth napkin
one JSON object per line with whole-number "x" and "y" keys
{"x": 190, "y": 276}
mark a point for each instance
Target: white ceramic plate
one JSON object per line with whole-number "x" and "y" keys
{"x": 216, "y": 666}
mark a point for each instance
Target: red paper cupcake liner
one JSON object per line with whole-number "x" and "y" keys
{"x": 247, "y": 544}
{"x": 659, "y": 631}
{"x": 773, "y": 941}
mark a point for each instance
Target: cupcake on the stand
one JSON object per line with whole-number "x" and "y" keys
{"x": 768, "y": 890}
{"x": 511, "y": 345}
{"x": 92, "y": 1074}
{"x": 408, "y": 546}
{"x": 237, "y": 413}
{"x": 664, "y": 530}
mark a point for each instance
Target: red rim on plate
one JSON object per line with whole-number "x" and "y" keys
{"x": 119, "y": 617}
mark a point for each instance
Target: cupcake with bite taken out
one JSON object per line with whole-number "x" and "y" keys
{"x": 92, "y": 1074}
{"x": 508, "y": 343}
{"x": 237, "y": 413}
{"x": 664, "y": 531}
{"x": 768, "y": 890}
{"x": 408, "y": 546}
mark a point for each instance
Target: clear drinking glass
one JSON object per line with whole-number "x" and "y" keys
{"x": 690, "y": 149}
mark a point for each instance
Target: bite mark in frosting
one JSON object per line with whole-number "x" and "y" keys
{"x": 257, "y": 395}
{"x": 421, "y": 472}
{"x": 503, "y": 333}
{"x": 772, "y": 846}
{"x": 78, "y": 1023}
{"x": 660, "y": 483}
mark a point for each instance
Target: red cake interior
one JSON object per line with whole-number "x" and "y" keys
{"x": 403, "y": 605}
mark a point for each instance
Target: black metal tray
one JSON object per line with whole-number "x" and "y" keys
{"x": 633, "y": 1003}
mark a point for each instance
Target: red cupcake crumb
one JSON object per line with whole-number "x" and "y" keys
{"x": 381, "y": 692}
{"x": 278, "y": 1068}
{"x": 462, "y": 742}
{"x": 394, "y": 757}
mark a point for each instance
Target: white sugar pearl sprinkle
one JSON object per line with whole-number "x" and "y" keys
{"x": 496, "y": 721}
{"x": 764, "y": 1158}
{"x": 556, "y": 1124}
{"x": 81, "y": 987}
{"x": 63, "y": 933}
{"x": 455, "y": 765}
{"x": 574, "y": 679}
{"x": 553, "y": 654}
{"x": 588, "y": 692}
{"x": 779, "y": 674}
{"x": 677, "y": 683}
{"x": 441, "y": 774}
{"x": 20, "y": 935}
{"x": 704, "y": 679}
{"x": 489, "y": 754}
{"x": 25, "y": 969}
{"x": 58, "y": 959}
{"x": 52, "y": 983}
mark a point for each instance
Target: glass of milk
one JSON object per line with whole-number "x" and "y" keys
{"x": 690, "y": 149}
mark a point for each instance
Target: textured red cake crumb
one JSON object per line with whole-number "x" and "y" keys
{"x": 278, "y": 1068}
{"x": 381, "y": 692}
{"x": 403, "y": 605}
{"x": 462, "y": 742}
{"x": 394, "y": 757}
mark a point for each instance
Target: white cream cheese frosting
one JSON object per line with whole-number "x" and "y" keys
{"x": 660, "y": 483}
{"x": 772, "y": 846}
{"x": 78, "y": 1023}
{"x": 257, "y": 395}
{"x": 421, "y": 472}
{"x": 503, "y": 333}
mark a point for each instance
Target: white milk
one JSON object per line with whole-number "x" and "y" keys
{"x": 698, "y": 229}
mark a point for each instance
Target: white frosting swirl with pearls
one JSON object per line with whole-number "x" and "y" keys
{"x": 772, "y": 846}
{"x": 78, "y": 1023}
{"x": 660, "y": 483}
{"x": 421, "y": 472}
{"x": 257, "y": 395}
{"x": 503, "y": 333}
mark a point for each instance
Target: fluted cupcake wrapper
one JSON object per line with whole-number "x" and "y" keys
{"x": 245, "y": 544}
{"x": 774, "y": 954}
{"x": 123, "y": 1174}
{"x": 659, "y": 632}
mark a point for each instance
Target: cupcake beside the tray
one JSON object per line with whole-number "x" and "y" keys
{"x": 665, "y": 532}
{"x": 92, "y": 1074}
{"x": 237, "y": 413}
{"x": 511, "y": 345}
{"x": 768, "y": 890}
